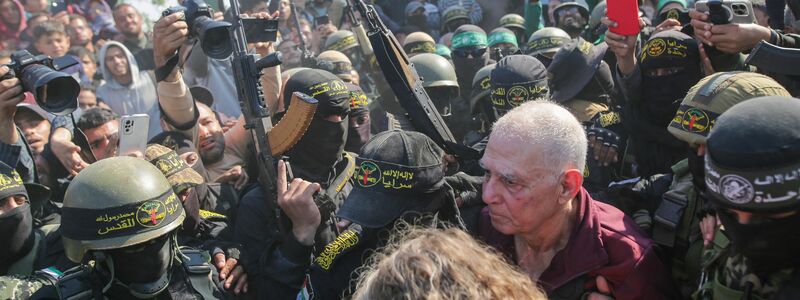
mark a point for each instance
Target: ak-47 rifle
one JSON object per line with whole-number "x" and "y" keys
{"x": 272, "y": 143}
{"x": 774, "y": 59}
{"x": 358, "y": 29}
{"x": 407, "y": 86}
{"x": 306, "y": 58}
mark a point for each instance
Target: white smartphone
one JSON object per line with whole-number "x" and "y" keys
{"x": 133, "y": 134}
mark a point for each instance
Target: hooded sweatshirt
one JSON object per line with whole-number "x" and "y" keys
{"x": 7, "y": 33}
{"x": 138, "y": 97}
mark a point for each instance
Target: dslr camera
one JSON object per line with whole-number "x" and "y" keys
{"x": 214, "y": 35}
{"x": 54, "y": 91}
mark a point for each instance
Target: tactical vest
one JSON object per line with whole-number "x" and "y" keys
{"x": 677, "y": 227}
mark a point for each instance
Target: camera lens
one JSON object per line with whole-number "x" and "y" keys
{"x": 56, "y": 92}
{"x": 214, "y": 37}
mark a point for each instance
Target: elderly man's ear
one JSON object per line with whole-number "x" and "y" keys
{"x": 571, "y": 183}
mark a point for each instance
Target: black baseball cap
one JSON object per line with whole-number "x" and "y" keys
{"x": 11, "y": 184}
{"x": 397, "y": 172}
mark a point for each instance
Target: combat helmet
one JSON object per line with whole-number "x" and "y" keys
{"x": 512, "y": 21}
{"x": 547, "y": 41}
{"x": 337, "y": 63}
{"x": 115, "y": 203}
{"x": 435, "y": 70}
{"x": 419, "y": 42}
{"x": 453, "y": 13}
{"x": 712, "y": 96}
{"x": 341, "y": 40}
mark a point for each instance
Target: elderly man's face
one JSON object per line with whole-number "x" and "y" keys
{"x": 520, "y": 190}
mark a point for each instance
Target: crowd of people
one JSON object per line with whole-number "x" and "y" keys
{"x": 660, "y": 164}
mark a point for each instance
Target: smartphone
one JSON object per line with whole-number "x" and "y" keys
{"x": 133, "y": 134}
{"x": 626, "y": 14}
{"x": 260, "y": 30}
{"x": 727, "y": 11}
{"x": 321, "y": 20}
{"x": 58, "y": 6}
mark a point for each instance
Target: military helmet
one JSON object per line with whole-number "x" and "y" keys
{"x": 598, "y": 12}
{"x": 419, "y": 42}
{"x": 115, "y": 203}
{"x": 435, "y": 70}
{"x": 712, "y": 96}
{"x": 547, "y": 40}
{"x": 753, "y": 154}
{"x": 453, "y": 13}
{"x": 582, "y": 9}
{"x": 512, "y": 21}
{"x": 341, "y": 41}
{"x": 337, "y": 63}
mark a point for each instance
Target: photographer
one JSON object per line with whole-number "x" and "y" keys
{"x": 224, "y": 155}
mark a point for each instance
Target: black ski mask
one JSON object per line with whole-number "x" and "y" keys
{"x": 768, "y": 246}
{"x": 144, "y": 268}
{"x": 469, "y": 54}
{"x": 358, "y": 131}
{"x": 323, "y": 143}
{"x": 670, "y": 64}
{"x": 16, "y": 234}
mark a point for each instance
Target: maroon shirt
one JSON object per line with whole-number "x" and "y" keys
{"x": 605, "y": 243}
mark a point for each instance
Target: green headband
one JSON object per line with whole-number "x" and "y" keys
{"x": 469, "y": 38}
{"x": 502, "y": 37}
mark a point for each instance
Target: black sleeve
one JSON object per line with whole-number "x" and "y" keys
{"x": 277, "y": 263}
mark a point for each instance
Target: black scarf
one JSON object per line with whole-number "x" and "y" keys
{"x": 319, "y": 149}
{"x": 16, "y": 235}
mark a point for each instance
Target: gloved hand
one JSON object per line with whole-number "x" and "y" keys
{"x": 604, "y": 144}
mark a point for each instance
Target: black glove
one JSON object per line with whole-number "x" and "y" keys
{"x": 603, "y": 136}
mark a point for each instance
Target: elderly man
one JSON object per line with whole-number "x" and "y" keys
{"x": 542, "y": 219}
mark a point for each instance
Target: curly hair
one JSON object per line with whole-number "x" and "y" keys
{"x": 445, "y": 264}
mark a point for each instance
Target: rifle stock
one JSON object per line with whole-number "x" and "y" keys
{"x": 406, "y": 85}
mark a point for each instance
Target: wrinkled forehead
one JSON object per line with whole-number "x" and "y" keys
{"x": 513, "y": 155}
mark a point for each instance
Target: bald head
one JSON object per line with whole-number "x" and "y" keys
{"x": 548, "y": 127}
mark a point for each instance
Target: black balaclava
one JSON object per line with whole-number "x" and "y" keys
{"x": 359, "y": 134}
{"x": 144, "y": 268}
{"x": 600, "y": 87}
{"x": 16, "y": 225}
{"x": 471, "y": 38}
{"x": 768, "y": 246}
{"x": 661, "y": 95}
{"x": 16, "y": 235}
{"x": 323, "y": 143}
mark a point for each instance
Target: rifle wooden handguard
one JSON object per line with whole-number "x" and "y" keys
{"x": 293, "y": 125}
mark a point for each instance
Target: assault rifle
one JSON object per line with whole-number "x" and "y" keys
{"x": 774, "y": 59}
{"x": 272, "y": 143}
{"x": 358, "y": 29}
{"x": 407, "y": 86}
{"x": 306, "y": 58}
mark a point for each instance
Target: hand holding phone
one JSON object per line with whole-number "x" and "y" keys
{"x": 133, "y": 134}
{"x": 626, "y": 14}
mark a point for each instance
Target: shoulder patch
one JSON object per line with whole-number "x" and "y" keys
{"x": 340, "y": 245}
{"x": 609, "y": 118}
